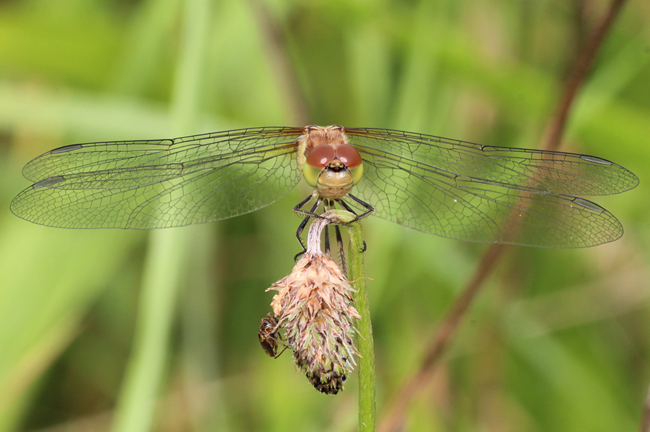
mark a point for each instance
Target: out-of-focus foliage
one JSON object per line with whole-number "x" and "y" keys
{"x": 558, "y": 341}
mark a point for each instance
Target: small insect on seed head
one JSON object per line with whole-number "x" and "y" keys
{"x": 268, "y": 335}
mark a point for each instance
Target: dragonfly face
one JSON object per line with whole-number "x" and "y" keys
{"x": 331, "y": 164}
{"x": 436, "y": 185}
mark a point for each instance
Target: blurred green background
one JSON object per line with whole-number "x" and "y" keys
{"x": 558, "y": 340}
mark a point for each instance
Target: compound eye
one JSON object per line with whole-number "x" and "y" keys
{"x": 348, "y": 155}
{"x": 320, "y": 156}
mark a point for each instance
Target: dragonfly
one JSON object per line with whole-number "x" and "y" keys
{"x": 441, "y": 186}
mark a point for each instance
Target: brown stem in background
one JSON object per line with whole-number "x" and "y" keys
{"x": 645, "y": 420}
{"x": 280, "y": 59}
{"x": 394, "y": 419}
{"x": 555, "y": 127}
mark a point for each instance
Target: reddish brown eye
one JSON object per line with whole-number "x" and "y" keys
{"x": 348, "y": 155}
{"x": 320, "y": 156}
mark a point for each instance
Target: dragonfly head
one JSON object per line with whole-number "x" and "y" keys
{"x": 333, "y": 170}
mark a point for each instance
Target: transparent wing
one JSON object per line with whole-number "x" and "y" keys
{"x": 537, "y": 171}
{"x": 488, "y": 194}
{"x": 160, "y": 183}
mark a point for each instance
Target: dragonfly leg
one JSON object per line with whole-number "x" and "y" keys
{"x": 367, "y": 206}
{"x": 298, "y": 209}
{"x": 299, "y": 231}
{"x": 303, "y": 224}
{"x": 348, "y": 208}
{"x": 330, "y": 205}
{"x": 327, "y": 240}
{"x": 339, "y": 242}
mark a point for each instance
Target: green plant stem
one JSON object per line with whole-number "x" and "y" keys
{"x": 365, "y": 343}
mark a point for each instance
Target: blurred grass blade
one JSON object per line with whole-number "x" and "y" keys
{"x": 145, "y": 45}
{"x": 167, "y": 258}
{"x": 163, "y": 270}
{"x": 49, "y": 279}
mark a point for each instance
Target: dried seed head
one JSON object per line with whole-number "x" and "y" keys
{"x": 315, "y": 308}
